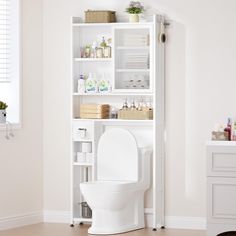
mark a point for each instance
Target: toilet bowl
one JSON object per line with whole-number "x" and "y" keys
{"x": 123, "y": 175}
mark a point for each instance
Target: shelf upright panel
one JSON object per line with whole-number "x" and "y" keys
{"x": 71, "y": 125}
{"x": 159, "y": 128}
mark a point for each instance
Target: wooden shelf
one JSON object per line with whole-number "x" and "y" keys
{"x": 78, "y": 59}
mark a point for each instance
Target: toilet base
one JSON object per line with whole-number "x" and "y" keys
{"x": 128, "y": 218}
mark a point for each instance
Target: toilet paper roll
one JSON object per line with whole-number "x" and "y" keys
{"x": 86, "y": 147}
{"x": 89, "y": 157}
{"x": 81, "y": 158}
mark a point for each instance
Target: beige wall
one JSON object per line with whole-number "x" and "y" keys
{"x": 21, "y": 157}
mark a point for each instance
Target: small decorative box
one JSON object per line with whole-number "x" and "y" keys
{"x": 220, "y": 136}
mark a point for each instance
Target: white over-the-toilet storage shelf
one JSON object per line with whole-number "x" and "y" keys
{"x": 135, "y": 71}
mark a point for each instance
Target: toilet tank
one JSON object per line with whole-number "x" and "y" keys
{"x": 117, "y": 157}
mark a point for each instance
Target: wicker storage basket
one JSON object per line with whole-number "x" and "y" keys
{"x": 94, "y": 111}
{"x": 135, "y": 115}
{"x": 100, "y": 16}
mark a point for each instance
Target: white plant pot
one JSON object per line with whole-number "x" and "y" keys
{"x": 3, "y": 116}
{"x": 133, "y": 18}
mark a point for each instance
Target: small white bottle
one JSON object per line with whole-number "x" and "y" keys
{"x": 81, "y": 85}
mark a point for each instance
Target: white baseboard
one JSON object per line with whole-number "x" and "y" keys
{"x": 175, "y": 222}
{"x": 20, "y": 220}
{"x": 180, "y": 222}
{"x": 56, "y": 216}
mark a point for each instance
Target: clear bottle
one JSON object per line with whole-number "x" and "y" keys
{"x": 103, "y": 45}
{"x": 81, "y": 85}
{"x": 125, "y": 105}
{"x": 94, "y": 49}
{"x": 133, "y": 107}
{"x": 114, "y": 114}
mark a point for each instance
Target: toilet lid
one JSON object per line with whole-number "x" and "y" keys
{"x": 117, "y": 156}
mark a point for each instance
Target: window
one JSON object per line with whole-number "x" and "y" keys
{"x": 10, "y": 58}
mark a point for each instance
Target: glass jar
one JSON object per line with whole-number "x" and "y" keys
{"x": 99, "y": 53}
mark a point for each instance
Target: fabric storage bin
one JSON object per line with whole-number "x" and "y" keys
{"x": 100, "y": 16}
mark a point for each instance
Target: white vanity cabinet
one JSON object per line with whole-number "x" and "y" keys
{"x": 135, "y": 71}
{"x": 221, "y": 187}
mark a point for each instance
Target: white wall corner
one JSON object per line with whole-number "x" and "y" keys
{"x": 21, "y": 220}
{"x": 56, "y": 216}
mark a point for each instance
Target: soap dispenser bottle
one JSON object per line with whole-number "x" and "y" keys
{"x": 81, "y": 85}
{"x": 91, "y": 83}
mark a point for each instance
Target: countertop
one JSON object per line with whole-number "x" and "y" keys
{"x": 221, "y": 143}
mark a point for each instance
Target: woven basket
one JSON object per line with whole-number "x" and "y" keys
{"x": 100, "y": 16}
{"x": 135, "y": 115}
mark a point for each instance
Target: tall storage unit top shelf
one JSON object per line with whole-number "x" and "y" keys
{"x": 132, "y": 68}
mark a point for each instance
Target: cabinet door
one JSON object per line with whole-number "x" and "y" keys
{"x": 221, "y": 200}
{"x": 221, "y": 161}
{"x": 133, "y": 58}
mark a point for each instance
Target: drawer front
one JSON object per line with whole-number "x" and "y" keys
{"x": 83, "y": 130}
{"x": 221, "y": 161}
{"x": 221, "y": 200}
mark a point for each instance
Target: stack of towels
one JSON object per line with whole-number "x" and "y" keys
{"x": 137, "y": 61}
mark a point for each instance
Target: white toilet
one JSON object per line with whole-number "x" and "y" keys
{"x": 123, "y": 175}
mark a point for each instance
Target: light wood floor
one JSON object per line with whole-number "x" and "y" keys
{"x": 65, "y": 230}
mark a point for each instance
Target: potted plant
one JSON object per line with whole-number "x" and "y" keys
{"x": 134, "y": 9}
{"x": 3, "y": 114}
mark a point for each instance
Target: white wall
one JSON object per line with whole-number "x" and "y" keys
{"x": 21, "y": 157}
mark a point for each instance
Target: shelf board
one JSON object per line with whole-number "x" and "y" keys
{"x": 82, "y": 164}
{"x": 82, "y": 219}
{"x": 114, "y": 120}
{"x": 83, "y": 140}
{"x": 78, "y": 59}
{"x": 142, "y": 24}
{"x": 115, "y": 94}
{"x": 132, "y": 70}
{"x": 5, "y": 80}
{"x": 133, "y": 48}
